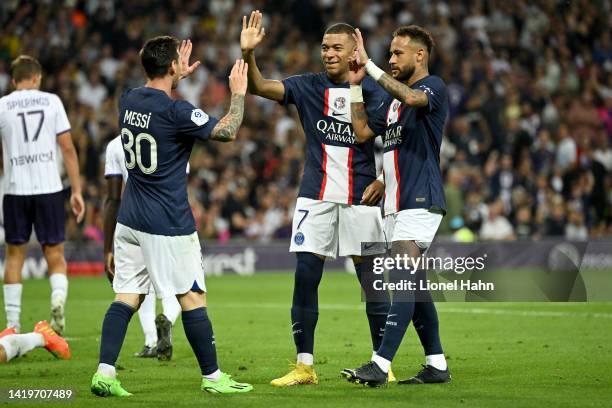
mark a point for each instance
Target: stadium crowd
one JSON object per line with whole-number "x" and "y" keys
{"x": 527, "y": 147}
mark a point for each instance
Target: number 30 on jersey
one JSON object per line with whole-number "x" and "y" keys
{"x": 133, "y": 147}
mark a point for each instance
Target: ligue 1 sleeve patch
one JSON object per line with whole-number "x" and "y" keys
{"x": 199, "y": 117}
{"x": 427, "y": 90}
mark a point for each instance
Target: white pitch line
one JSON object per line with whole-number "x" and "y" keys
{"x": 441, "y": 308}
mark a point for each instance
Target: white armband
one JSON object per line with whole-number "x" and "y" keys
{"x": 373, "y": 70}
{"x": 356, "y": 94}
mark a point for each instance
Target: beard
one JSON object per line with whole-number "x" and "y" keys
{"x": 405, "y": 74}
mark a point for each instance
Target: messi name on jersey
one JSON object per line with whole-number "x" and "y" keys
{"x": 137, "y": 119}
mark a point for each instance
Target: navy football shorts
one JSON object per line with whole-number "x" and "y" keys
{"x": 44, "y": 211}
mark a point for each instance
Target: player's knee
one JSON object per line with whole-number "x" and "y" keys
{"x": 405, "y": 247}
{"x": 16, "y": 252}
{"x": 192, "y": 300}
{"x": 131, "y": 299}
{"x": 54, "y": 255}
{"x": 308, "y": 271}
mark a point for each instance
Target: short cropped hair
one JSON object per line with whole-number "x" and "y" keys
{"x": 416, "y": 33}
{"x": 340, "y": 28}
{"x": 157, "y": 54}
{"x": 25, "y": 67}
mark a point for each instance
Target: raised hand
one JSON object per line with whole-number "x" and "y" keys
{"x": 356, "y": 72}
{"x": 252, "y": 32}
{"x": 238, "y": 78}
{"x": 361, "y": 56}
{"x": 185, "y": 53}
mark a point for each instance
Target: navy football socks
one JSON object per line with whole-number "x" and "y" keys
{"x": 199, "y": 333}
{"x": 399, "y": 317}
{"x": 426, "y": 322}
{"x": 305, "y": 307}
{"x": 375, "y": 310}
{"x": 114, "y": 327}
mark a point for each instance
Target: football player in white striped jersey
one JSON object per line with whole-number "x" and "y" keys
{"x": 33, "y": 124}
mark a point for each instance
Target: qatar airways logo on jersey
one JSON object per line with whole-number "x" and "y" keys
{"x": 32, "y": 158}
{"x": 337, "y": 131}
{"x": 393, "y": 137}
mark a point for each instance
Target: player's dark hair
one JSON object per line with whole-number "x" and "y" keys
{"x": 416, "y": 33}
{"x": 25, "y": 67}
{"x": 157, "y": 54}
{"x": 340, "y": 28}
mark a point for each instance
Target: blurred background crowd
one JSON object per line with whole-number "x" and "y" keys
{"x": 526, "y": 152}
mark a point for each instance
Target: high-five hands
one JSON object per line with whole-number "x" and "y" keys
{"x": 238, "y": 78}
{"x": 252, "y": 32}
{"x": 185, "y": 53}
{"x": 361, "y": 56}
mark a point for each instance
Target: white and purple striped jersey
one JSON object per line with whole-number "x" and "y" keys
{"x": 30, "y": 121}
{"x": 337, "y": 169}
{"x": 411, "y": 141}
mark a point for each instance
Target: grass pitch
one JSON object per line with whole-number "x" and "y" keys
{"x": 500, "y": 354}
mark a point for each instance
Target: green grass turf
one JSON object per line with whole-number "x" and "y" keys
{"x": 500, "y": 354}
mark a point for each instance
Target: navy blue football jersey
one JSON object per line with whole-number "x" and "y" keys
{"x": 157, "y": 134}
{"x": 412, "y": 139}
{"x": 337, "y": 169}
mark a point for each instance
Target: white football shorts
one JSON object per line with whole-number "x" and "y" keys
{"x": 416, "y": 224}
{"x": 331, "y": 229}
{"x": 170, "y": 265}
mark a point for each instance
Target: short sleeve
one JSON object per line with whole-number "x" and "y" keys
{"x": 435, "y": 90}
{"x": 62, "y": 125}
{"x": 293, "y": 89}
{"x": 194, "y": 122}
{"x": 114, "y": 160}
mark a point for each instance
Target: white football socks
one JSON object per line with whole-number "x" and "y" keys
{"x": 59, "y": 288}
{"x": 107, "y": 370}
{"x": 305, "y": 358}
{"x": 171, "y": 308}
{"x": 213, "y": 376}
{"x": 383, "y": 363}
{"x": 436, "y": 361}
{"x": 12, "y": 304}
{"x": 146, "y": 314}
{"x": 16, "y": 345}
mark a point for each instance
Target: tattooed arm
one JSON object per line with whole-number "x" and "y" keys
{"x": 227, "y": 128}
{"x": 402, "y": 92}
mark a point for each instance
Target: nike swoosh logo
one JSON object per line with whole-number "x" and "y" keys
{"x": 368, "y": 246}
{"x": 391, "y": 315}
{"x": 381, "y": 104}
{"x": 338, "y": 114}
{"x": 294, "y": 324}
